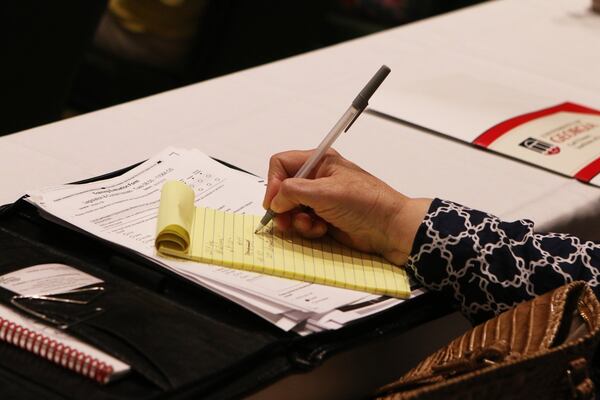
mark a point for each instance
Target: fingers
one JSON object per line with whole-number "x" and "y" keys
{"x": 283, "y": 222}
{"x": 295, "y": 192}
{"x": 282, "y": 166}
{"x": 308, "y": 225}
{"x": 285, "y": 165}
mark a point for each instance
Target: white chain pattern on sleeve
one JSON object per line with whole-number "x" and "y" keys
{"x": 489, "y": 266}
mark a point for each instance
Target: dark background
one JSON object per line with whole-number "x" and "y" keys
{"x": 51, "y": 69}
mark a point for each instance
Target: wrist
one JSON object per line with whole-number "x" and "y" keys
{"x": 402, "y": 228}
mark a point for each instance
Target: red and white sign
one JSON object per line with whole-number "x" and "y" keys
{"x": 564, "y": 139}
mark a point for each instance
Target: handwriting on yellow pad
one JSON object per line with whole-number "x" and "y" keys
{"x": 228, "y": 239}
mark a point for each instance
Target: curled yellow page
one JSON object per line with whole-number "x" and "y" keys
{"x": 175, "y": 216}
{"x": 228, "y": 239}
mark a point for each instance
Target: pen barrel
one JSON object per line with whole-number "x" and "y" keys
{"x": 326, "y": 143}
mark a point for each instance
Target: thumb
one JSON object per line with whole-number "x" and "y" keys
{"x": 294, "y": 192}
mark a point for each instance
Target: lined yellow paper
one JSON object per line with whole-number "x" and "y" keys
{"x": 228, "y": 239}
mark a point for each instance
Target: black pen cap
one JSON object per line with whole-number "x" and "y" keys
{"x": 362, "y": 100}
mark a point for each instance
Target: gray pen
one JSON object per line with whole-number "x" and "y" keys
{"x": 344, "y": 123}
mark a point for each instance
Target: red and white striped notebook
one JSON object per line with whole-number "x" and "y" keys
{"x": 58, "y": 347}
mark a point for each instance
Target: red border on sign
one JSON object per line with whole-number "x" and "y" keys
{"x": 588, "y": 172}
{"x": 489, "y": 136}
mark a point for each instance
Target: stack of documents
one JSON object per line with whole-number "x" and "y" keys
{"x": 124, "y": 210}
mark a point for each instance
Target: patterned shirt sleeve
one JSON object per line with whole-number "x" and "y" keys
{"x": 489, "y": 265}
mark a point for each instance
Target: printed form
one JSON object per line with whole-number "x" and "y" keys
{"x": 124, "y": 210}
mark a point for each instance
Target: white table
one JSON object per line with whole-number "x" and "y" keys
{"x": 244, "y": 117}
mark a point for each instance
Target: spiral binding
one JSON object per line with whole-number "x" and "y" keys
{"x": 54, "y": 351}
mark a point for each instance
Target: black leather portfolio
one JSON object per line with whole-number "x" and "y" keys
{"x": 181, "y": 340}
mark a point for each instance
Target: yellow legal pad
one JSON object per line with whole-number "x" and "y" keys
{"x": 228, "y": 239}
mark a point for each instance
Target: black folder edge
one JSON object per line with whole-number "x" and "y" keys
{"x": 294, "y": 353}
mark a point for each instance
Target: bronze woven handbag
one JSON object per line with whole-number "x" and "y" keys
{"x": 541, "y": 349}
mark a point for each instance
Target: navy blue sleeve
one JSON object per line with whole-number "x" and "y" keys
{"x": 489, "y": 265}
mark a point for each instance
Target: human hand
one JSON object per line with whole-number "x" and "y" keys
{"x": 355, "y": 207}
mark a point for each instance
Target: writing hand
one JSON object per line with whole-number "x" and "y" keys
{"x": 353, "y": 206}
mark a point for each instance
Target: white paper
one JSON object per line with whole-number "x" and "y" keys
{"x": 123, "y": 210}
{"x": 46, "y": 279}
{"x": 461, "y": 87}
{"x": 464, "y": 105}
